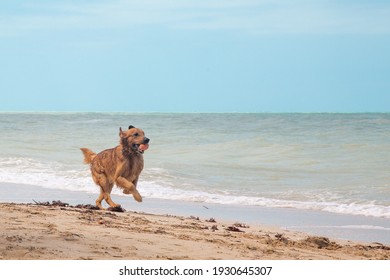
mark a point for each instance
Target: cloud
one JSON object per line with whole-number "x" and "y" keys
{"x": 258, "y": 17}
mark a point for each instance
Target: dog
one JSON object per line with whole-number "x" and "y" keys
{"x": 121, "y": 165}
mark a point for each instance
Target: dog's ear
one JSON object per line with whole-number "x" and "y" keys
{"x": 120, "y": 132}
{"x": 131, "y": 126}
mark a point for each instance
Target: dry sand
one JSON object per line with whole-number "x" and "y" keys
{"x": 59, "y": 232}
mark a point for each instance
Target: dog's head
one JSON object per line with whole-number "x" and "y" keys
{"x": 133, "y": 140}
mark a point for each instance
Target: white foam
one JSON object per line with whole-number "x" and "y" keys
{"x": 49, "y": 175}
{"x": 366, "y": 227}
{"x": 157, "y": 183}
{"x": 358, "y": 227}
{"x": 153, "y": 190}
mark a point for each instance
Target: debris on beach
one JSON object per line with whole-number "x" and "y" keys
{"x": 53, "y": 203}
{"x": 280, "y": 237}
{"x": 116, "y": 209}
{"x": 211, "y": 220}
{"x": 59, "y": 203}
{"x": 321, "y": 242}
{"x": 87, "y": 206}
{"x": 47, "y": 203}
{"x": 240, "y": 225}
{"x": 234, "y": 229}
{"x": 377, "y": 245}
{"x": 214, "y": 228}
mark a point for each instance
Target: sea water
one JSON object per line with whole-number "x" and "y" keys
{"x": 337, "y": 163}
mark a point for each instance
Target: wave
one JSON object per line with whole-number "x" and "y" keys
{"x": 52, "y": 175}
{"x": 353, "y": 227}
{"x": 158, "y": 183}
{"x": 150, "y": 190}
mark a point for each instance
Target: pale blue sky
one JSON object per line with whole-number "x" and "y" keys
{"x": 195, "y": 55}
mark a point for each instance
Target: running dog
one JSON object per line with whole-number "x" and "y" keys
{"x": 121, "y": 165}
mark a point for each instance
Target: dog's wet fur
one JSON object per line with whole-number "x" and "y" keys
{"x": 119, "y": 166}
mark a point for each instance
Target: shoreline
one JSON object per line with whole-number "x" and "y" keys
{"x": 162, "y": 230}
{"x": 61, "y": 232}
{"x": 336, "y": 226}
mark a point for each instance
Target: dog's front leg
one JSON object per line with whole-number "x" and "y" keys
{"x": 129, "y": 188}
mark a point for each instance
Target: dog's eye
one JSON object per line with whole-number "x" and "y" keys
{"x": 136, "y": 135}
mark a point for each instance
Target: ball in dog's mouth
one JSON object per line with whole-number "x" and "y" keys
{"x": 140, "y": 148}
{"x": 143, "y": 147}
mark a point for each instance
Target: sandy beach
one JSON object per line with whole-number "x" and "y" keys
{"x": 56, "y": 232}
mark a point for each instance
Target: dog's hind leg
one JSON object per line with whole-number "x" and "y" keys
{"x": 105, "y": 190}
{"x": 100, "y": 199}
{"x": 129, "y": 188}
{"x": 107, "y": 198}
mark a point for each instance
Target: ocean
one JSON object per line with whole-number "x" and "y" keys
{"x": 336, "y": 163}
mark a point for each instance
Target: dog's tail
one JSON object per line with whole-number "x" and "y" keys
{"x": 88, "y": 155}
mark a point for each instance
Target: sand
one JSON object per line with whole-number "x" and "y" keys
{"x": 51, "y": 232}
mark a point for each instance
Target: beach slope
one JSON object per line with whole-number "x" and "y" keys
{"x": 55, "y": 232}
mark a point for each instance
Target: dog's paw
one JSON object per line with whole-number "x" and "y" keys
{"x": 137, "y": 196}
{"x": 116, "y": 209}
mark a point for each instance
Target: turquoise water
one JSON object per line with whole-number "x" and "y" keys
{"x": 336, "y": 163}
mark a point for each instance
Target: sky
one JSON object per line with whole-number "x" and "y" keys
{"x": 195, "y": 55}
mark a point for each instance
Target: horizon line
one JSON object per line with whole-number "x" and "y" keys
{"x": 193, "y": 112}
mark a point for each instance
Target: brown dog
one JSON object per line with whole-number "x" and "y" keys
{"x": 121, "y": 165}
